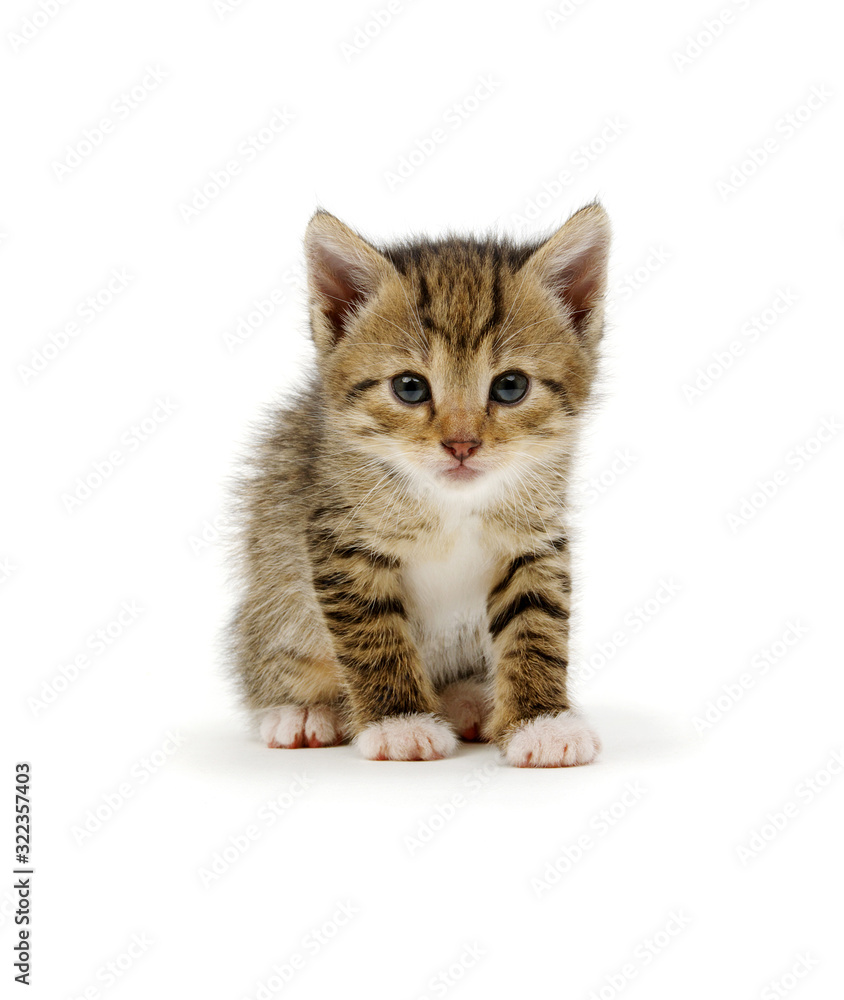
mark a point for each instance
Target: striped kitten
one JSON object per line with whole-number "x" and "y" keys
{"x": 406, "y": 557}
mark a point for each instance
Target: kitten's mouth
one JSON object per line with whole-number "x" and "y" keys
{"x": 461, "y": 472}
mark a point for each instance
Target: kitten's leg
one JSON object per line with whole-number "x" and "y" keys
{"x": 467, "y": 705}
{"x": 296, "y": 697}
{"x": 393, "y": 706}
{"x": 293, "y": 726}
{"x": 279, "y": 645}
{"x": 297, "y": 700}
{"x": 532, "y": 721}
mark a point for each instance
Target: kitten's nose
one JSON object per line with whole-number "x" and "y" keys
{"x": 461, "y": 449}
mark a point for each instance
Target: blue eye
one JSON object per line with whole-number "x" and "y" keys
{"x": 509, "y": 387}
{"x": 411, "y": 388}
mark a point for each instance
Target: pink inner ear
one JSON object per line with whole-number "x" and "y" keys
{"x": 341, "y": 286}
{"x": 573, "y": 263}
{"x": 580, "y": 286}
{"x": 341, "y": 299}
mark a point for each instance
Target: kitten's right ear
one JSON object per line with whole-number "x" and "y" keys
{"x": 343, "y": 272}
{"x": 572, "y": 264}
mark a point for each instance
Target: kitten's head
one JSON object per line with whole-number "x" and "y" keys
{"x": 464, "y": 363}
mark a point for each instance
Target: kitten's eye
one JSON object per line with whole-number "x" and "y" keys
{"x": 509, "y": 387}
{"x": 411, "y": 388}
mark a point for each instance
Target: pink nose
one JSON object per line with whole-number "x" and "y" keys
{"x": 461, "y": 449}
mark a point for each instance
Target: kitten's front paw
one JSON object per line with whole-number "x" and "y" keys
{"x": 289, "y": 727}
{"x": 467, "y": 705}
{"x": 407, "y": 737}
{"x": 553, "y": 741}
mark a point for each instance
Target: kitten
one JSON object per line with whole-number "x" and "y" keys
{"x": 405, "y": 549}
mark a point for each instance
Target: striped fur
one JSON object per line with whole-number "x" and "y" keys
{"x": 385, "y": 587}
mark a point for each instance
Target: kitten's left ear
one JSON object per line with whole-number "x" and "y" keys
{"x": 573, "y": 265}
{"x": 343, "y": 272}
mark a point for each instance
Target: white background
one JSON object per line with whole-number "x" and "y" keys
{"x": 700, "y": 262}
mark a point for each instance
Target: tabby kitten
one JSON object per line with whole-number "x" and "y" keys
{"x": 405, "y": 551}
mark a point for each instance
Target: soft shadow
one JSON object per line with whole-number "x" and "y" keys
{"x": 631, "y": 734}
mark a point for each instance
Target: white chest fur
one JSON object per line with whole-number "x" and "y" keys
{"x": 447, "y": 593}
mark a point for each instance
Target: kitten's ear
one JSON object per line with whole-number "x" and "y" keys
{"x": 343, "y": 272}
{"x": 573, "y": 265}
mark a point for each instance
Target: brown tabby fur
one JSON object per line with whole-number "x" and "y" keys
{"x": 334, "y": 511}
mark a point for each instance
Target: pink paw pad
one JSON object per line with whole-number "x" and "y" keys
{"x": 407, "y": 737}
{"x": 563, "y": 740}
{"x": 290, "y": 727}
{"x": 467, "y": 705}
